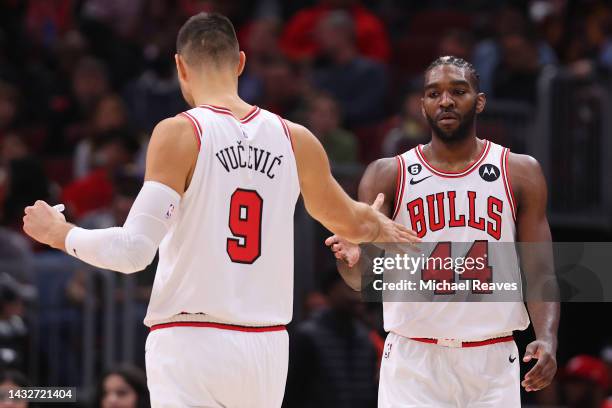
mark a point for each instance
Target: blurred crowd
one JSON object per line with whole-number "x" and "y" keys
{"x": 83, "y": 83}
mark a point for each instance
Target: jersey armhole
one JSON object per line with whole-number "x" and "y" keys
{"x": 197, "y": 129}
{"x": 286, "y": 131}
{"x": 507, "y": 184}
{"x": 399, "y": 185}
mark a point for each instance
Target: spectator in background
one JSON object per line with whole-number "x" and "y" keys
{"x": 108, "y": 115}
{"x": 298, "y": 40}
{"x": 284, "y": 89}
{"x": 516, "y": 76}
{"x": 12, "y": 380}
{"x": 323, "y": 120}
{"x": 9, "y": 107}
{"x": 333, "y": 360}
{"x": 155, "y": 94}
{"x": 123, "y": 387}
{"x": 359, "y": 84}
{"x": 259, "y": 40}
{"x": 412, "y": 128}
{"x": 89, "y": 83}
{"x": 586, "y": 383}
{"x": 606, "y": 357}
{"x": 22, "y": 179}
{"x": 94, "y": 191}
{"x": 14, "y": 331}
{"x": 457, "y": 43}
{"x": 488, "y": 53}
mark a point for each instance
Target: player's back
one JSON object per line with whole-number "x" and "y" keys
{"x": 228, "y": 257}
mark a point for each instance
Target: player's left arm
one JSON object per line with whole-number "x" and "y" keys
{"x": 530, "y": 191}
{"x": 171, "y": 158}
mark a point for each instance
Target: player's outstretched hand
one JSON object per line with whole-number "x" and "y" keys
{"x": 42, "y": 222}
{"x": 390, "y": 231}
{"x": 543, "y": 372}
{"x": 344, "y": 250}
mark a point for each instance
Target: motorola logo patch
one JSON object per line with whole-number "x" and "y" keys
{"x": 414, "y": 169}
{"x": 489, "y": 172}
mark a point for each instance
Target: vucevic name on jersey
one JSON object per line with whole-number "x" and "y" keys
{"x": 242, "y": 156}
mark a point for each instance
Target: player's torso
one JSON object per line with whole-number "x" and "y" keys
{"x": 230, "y": 252}
{"x": 463, "y": 213}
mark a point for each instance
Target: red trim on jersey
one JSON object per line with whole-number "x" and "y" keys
{"x": 506, "y": 178}
{"x": 219, "y": 109}
{"x": 468, "y": 343}
{"x": 286, "y": 130}
{"x": 399, "y": 185}
{"x": 197, "y": 131}
{"x": 223, "y": 326}
{"x": 249, "y": 116}
{"x": 462, "y": 173}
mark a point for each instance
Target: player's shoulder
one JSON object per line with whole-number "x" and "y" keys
{"x": 523, "y": 163}
{"x": 383, "y": 168}
{"x": 176, "y": 133}
{"x": 526, "y": 176}
{"x": 179, "y": 123}
{"x": 296, "y": 129}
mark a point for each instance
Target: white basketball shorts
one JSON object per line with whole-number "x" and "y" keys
{"x": 419, "y": 374}
{"x": 214, "y": 367}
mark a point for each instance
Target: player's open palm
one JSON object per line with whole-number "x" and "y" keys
{"x": 543, "y": 372}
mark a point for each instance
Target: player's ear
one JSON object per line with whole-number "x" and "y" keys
{"x": 481, "y": 101}
{"x": 241, "y": 62}
{"x": 423, "y": 108}
{"x": 180, "y": 67}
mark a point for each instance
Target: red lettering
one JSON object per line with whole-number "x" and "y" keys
{"x": 433, "y": 213}
{"x": 416, "y": 209}
{"x": 495, "y": 207}
{"x": 453, "y": 220}
{"x": 477, "y": 224}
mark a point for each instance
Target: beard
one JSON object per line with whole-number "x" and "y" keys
{"x": 462, "y": 131}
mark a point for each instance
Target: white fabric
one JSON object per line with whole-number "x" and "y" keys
{"x": 195, "y": 273}
{"x": 459, "y": 320}
{"x": 209, "y": 367}
{"x": 414, "y": 374}
{"x": 132, "y": 247}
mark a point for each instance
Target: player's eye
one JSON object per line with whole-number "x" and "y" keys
{"x": 433, "y": 94}
{"x": 459, "y": 91}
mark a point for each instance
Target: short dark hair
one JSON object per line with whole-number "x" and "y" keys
{"x": 208, "y": 36}
{"x": 459, "y": 63}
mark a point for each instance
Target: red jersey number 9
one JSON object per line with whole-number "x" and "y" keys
{"x": 245, "y": 223}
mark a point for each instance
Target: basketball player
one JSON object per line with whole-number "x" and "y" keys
{"x": 221, "y": 184}
{"x": 459, "y": 188}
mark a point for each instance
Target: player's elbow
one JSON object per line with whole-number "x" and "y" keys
{"x": 138, "y": 253}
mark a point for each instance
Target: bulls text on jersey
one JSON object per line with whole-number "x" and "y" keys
{"x": 430, "y": 213}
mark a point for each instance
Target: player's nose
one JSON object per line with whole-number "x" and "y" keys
{"x": 446, "y": 101}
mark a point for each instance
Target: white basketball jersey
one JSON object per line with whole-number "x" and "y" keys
{"x": 456, "y": 210}
{"x": 228, "y": 258}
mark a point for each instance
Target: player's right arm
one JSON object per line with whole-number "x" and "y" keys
{"x": 327, "y": 202}
{"x": 171, "y": 157}
{"x": 379, "y": 177}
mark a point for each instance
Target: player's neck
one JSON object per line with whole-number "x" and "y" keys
{"x": 452, "y": 156}
{"x": 219, "y": 90}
